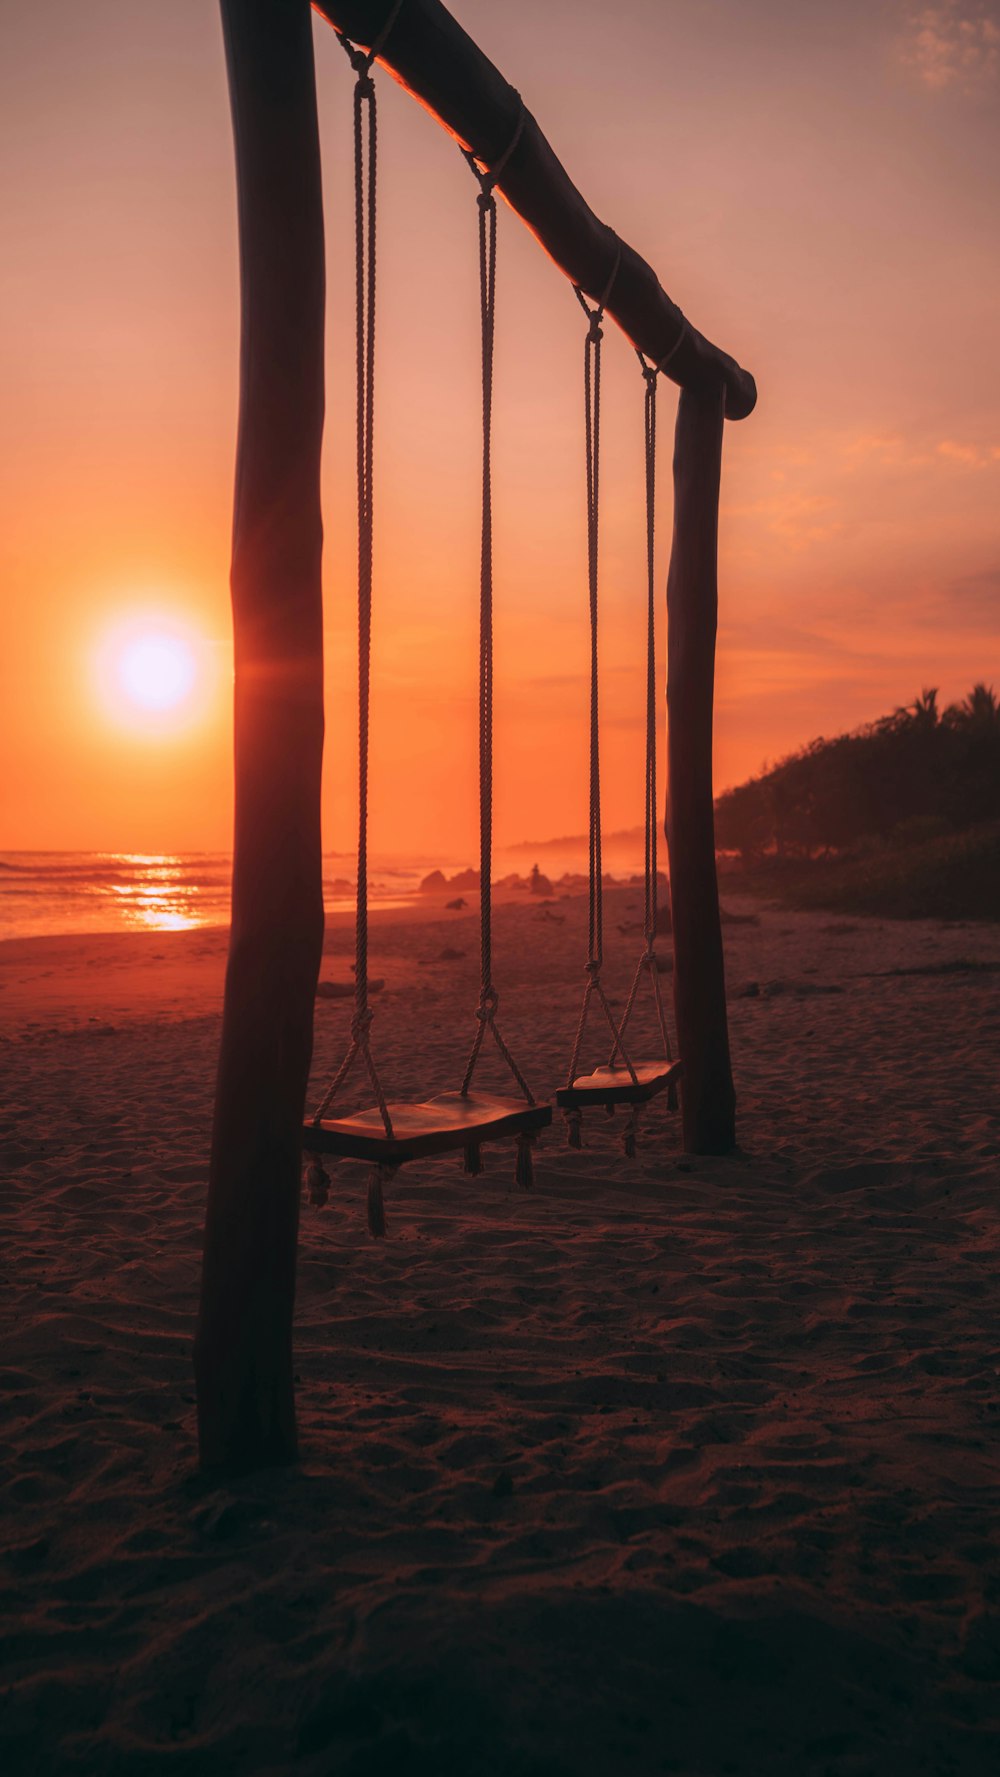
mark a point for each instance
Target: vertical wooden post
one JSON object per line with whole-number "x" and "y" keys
{"x": 243, "y": 1347}
{"x": 707, "y": 1099}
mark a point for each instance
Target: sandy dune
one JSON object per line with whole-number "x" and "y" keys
{"x": 667, "y": 1466}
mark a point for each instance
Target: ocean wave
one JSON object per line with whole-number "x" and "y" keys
{"x": 62, "y": 892}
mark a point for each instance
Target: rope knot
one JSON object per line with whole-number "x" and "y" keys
{"x": 486, "y": 1010}
{"x": 596, "y": 330}
{"x": 486, "y": 200}
{"x": 361, "y": 1024}
{"x": 593, "y": 969}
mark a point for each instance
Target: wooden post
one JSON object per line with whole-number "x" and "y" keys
{"x": 243, "y": 1347}
{"x": 707, "y": 1099}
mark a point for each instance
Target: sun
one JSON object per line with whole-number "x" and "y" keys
{"x": 157, "y": 672}
{"x": 153, "y": 675}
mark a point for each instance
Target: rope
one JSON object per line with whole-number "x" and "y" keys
{"x": 595, "y": 922}
{"x": 365, "y": 168}
{"x": 675, "y": 348}
{"x": 647, "y": 960}
{"x": 649, "y": 436}
{"x": 361, "y": 60}
{"x": 489, "y": 176}
{"x": 489, "y": 999}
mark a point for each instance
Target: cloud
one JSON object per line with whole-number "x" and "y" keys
{"x": 971, "y": 456}
{"x": 798, "y": 519}
{"x": 956, "y": 43}
{"x": 889, "y": 450}
{"x": 883, "y": 447}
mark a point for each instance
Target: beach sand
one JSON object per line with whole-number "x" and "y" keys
{"x": 669, "y": 1465}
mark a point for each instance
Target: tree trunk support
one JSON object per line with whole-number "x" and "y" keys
{"x": 243, "y": 1346}
{"x": 708, "y": 1104}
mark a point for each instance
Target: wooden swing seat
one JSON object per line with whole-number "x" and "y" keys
{"x": 614, "y": 1085}
{"x": 448, "y": 1121}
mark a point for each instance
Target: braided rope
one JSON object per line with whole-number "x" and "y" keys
{"x": 365, "y": 171}
{"x": 489, "y": 176}
{"x": 647, "y": 960}
{"x": 361, "y": 60}
{"x": 595, "y": 917}
{"x": 488, "y": 996}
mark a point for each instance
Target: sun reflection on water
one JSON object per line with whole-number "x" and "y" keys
{"x": 157, "y": 895}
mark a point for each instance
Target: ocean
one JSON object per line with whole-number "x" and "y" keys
{"x": 50, "y": 892}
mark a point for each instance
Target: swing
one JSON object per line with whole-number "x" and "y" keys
{"x": 391, "y": 1133}
{"x": 621, "y": 1080}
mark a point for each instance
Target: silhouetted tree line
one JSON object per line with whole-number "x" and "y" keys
{"x": 915, "y": 774}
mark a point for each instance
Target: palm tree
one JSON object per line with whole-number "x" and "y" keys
{"x": 980, "y": 711}
{"x": 922, "y": 713}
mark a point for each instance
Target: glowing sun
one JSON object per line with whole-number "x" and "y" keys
{"x": 157, "y": 672}
{"x": 152, "y": 675}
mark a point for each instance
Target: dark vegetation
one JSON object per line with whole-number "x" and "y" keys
{"x": 900, "y": 818}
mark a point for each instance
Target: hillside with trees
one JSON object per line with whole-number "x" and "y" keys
{"x": 902, "y": 816}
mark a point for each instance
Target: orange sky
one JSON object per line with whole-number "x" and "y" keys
{"x": 816, "y": 186}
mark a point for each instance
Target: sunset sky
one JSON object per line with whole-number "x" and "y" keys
{"x": 815, "y": 184}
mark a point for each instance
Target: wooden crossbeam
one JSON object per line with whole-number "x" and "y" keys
{"x": 428, "y": 52}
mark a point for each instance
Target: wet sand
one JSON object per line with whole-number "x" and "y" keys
{"x": 670, "y": 1465}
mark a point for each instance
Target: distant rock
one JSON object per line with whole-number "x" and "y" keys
{"x": 447, "y": 955}
{"x": 539, "y": 883}
{"x": 729, "y": 918}
{"x": 456, "y": 905}
{"x": 437, "y": 881}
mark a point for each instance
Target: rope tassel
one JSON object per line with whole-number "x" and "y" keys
{"x": 473, "y": 1159}
{"x": 574, "y": 1129}
{"x": 631, "y": 1133}
{"x": 317, "y": 1182}
{"x": 524, "y": 1171}
{"x": 380, "y": 1176}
